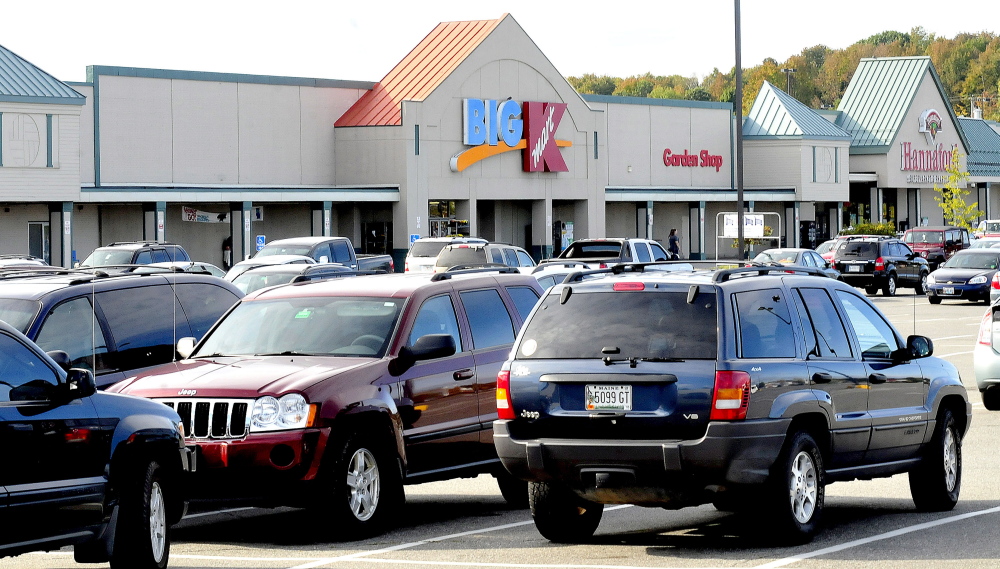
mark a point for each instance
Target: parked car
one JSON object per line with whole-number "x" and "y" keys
{"x": 986, "y": 358}
{"x": 424, "y": 251}
{"x": 274, "y": 275}
{"x": 14, "y": 261}
{"x": 737, "y": 387}
{"x": 937, "y": 244}
{"x": 113, "y": 324}
{"x": 551, "y": 274}
{"x": 135, "y": 253}
{"x": 266, "y": 261}
{"x": 794, "y": 257}
{"x": 985, "y": 243}
{"x": 328, "y": 250}
{"x": 100, "y": 472}
{"x": 472, "y": 254}
{"x": 600, "y": 253}
{"x": 880, "y": 262}
{"x": 965, "y": 276}
{"x": 333, "y": 394}
{"x": 988, "y": 228}
{"x": 826, "y": 249}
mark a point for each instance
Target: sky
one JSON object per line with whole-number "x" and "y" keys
{"x": 363, "y": 40}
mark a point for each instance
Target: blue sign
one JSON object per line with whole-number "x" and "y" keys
{"x": 414, "y": 237}
{"x": 260, "y": 242}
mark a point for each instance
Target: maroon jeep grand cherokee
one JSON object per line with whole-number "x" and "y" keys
{"x": 333, "y": 394}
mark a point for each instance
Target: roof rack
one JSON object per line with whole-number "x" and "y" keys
{"x": 620, "y": 268}
{"x": 726, "y": 274}
{"x": 116, "y": 243}
{"x": 474, "y": 268}
{"x": 549, "y": 263}
{"x": 723, "y": 270}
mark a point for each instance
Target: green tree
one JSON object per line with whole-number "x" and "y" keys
{"x": 594, "y": 84}
{"x": 698, "y": 94}
{"x": 951, "y": 197}
{"x": 635, "y": 86}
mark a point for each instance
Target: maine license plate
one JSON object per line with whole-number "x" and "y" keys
{"x": 609, "y": 397}
{"x": 948, "y": 290}
{"x": 854, "y": 268}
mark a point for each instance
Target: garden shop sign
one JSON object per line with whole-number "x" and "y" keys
{"x": 493, "y": 127}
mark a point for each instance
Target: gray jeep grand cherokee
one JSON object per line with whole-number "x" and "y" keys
{"x": 750, "y": 388}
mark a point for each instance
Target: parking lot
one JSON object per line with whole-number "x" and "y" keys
{"x": 465, "y": 523}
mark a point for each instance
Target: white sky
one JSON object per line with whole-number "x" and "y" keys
{"x": 363, "y": 40}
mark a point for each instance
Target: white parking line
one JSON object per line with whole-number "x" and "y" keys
{"x": 953, "y": 337}
{"x": 954, "y": 354}
{"x": 879, "y": 537}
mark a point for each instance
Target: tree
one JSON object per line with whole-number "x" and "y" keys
{"x": 951, "y": 197}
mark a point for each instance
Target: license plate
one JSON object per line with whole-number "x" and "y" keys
{"x": 948, "y": 290}
{"x": 854, "y": 268}
{"x": 613, "y": 397}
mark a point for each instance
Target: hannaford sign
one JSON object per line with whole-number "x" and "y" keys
{"x": 702, "y": 159}
{"x": 929, "y": 124}
{"x": 492, "y": 127}
{"x": 936, "y": 160}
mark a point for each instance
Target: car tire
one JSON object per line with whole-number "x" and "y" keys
{"x": 796, "y": 490}
{"x": 889, "y": 288}
{"x": 921, "y": 287}
{"x": 872, "y": 289}
{"x": 362, "y": 487}
{"x": 934, "y": 299}
{"x": 142, "y": 539}
{"x": 937, "y": 481}
{"x": 560, "y": 515}
{"x": 514, "y": 490}
{"x": 991, "y": 398}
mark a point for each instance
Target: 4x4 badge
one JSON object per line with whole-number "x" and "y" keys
{"x": 187, "y": 392}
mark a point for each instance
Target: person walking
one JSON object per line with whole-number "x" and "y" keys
{"x": 674, "y": 245}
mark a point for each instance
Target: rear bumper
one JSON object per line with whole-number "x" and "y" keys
{"x": 729, "y": 454}
{"x": 876, "y": 279}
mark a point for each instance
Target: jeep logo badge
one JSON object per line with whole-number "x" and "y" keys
{"x": 190, "y": 392}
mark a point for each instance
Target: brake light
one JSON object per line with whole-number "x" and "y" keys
{"x": 880, "y": 264}
{"x": 602, "y": 266}
{"x": 406, "y": 267}
{"x": 505, "y": 407}
{"x": 732, "y": 396}
{"x": 629, "y": 286}
{"x": 392, "y": 266}
{"x": 986, "y": 328}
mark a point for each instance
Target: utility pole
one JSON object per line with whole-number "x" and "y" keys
{"x": 788, "y": 78}
{"x": 738, "y": 110}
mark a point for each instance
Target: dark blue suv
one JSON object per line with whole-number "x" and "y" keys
{"x": 749, "y": 388}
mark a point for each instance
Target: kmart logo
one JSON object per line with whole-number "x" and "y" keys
{"x": 492, "y": 127}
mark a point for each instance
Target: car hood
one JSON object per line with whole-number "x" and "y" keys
{"x": 248, "y": 376}
{"x": 946, "y": 274}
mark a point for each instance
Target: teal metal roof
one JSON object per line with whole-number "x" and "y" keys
{"x": 983, "y": 147}
{"x": 776, "y": 114}
{"x": 878, "y": 98}
{"x": 22, "y": 82}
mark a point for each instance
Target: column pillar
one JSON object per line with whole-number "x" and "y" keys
{"x": 66, "y": 233}
{"x": 840, "y": 217}
{"x": 701, "y": 230}
{"x": 649, "y": 219}
{"x": 322, "y": 219}
{"x": 541, "y": 229}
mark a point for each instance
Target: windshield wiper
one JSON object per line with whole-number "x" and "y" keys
{"x": 288, "y": 353}
{"x": 215, "y": 355}
{"x": 656, "y": 359}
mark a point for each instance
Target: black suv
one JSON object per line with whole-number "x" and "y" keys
{"x": 112, "y": 324}
{"x": 750, "y": 388}
{"x": 880, "y": 262}
{"x": 98, "y": 471}
{"x": 136, "y": 253}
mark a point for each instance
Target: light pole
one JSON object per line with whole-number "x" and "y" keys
{"x": 738, "y": 110}
{"x": 788, "y": 78}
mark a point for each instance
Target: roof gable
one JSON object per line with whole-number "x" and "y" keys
{"x": 776, "y": 114}
{"x": 22, "y": 82}
{"x": 419, "y": 73}
{"x": 983, "y": 146}
{"x": 878, "y": 98}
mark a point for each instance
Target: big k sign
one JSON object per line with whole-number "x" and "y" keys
{"x": 492, "y": 127}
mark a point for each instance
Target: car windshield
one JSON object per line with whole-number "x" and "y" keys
{"x": 427, "y": 248}
{"x": 251, "y": 281}
{"x": 973, "y": 261}
{"x": 935, "y": 237}
{"x": 101, "y": 257}
{"x": 18, "y": 312}
{"x": 284, "y": 250}
{"x": 321, "y": 326}
{"x": 985, "y": 243}
{"x": 660, "y": 324}
{"x": 825, "y": 246}
{"x": 782, "y": 256}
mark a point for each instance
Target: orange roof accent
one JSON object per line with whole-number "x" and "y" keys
{"x": 419, "y": 73}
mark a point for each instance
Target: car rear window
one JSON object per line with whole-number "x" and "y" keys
{"x": 461, "y": 256}
{"x": 600, "y": 250}
{"x": 646, "y": 324}
{"x": 427, "y": 248}
{"x": 856, "y": 249}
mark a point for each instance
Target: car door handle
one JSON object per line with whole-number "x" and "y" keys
{"x": 821, "y": 377}
{"x": 463, "y": 374}
{"x": 876, "y": 378}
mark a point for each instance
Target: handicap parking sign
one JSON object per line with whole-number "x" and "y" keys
{"x": 414, "y": 237}
{"x": 260, "y": 242}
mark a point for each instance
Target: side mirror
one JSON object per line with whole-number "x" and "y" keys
{"x": 80, "y": 383}
{"x": 426, "y": 347}
{"x": 827, "y": 264}
{"x": 324, "y": 259}
{"x": 61, "y": 358}
{"x": 185, "y": 346}
{"x": 919, "y": 346}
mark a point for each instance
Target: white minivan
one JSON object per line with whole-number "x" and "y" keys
{"x": 424, "y": 251}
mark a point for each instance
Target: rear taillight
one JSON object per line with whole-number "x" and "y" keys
{"x": 731, "y": 397}
{"x": 392, "y": 266}
{"x": 602, "y": 266}
{"x": 986, "y": 328}
{"x": 995, "y": 282}
{"x": 406, "y": 267}
{"x": 505, "y": 408}
{"x": 880, "y": 264}
{"x": 629, "y": 286}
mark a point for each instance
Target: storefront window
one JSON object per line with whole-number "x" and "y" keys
{"x": 443, "y": 221}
